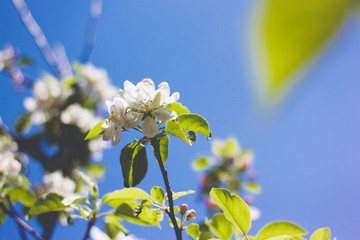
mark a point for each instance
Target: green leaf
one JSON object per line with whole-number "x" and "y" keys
{"x": 22, "y": 194}
{"x": 227, "y": 149}
{"x": 95, "y": 170}
{"x": 113, "y": 226}
{"x": 281, "y": 237}
{"x": 252, "y": 187}
{"x": 172, "y": 127}
{"x": 48, "y": 203}
{"x": 95, "y": 131}
{"x": 193, "y": 230}
{"x": 205, "y": 235}
{"x": 234, "y": 208}
{"x": 127, "y": 194}
{"x": 194, "y": 122}
{"x": 22, "y": 123}
{"x": 158, "y": 195}
{"x": 180, "y": 194}
{"x": 24, "y": 61}
{"x": 277, "y": 228}
{"x": 220, "y": 226}
{"x": 201, "y": 164}
{"x": 164, "y": 147}
{"x": 321, "y": 234}
{"x": 134, "y": 163}
{"x": 2, "y": 213}
{"x": 147, "y": 216}
{"x": 292, "y": 33}
{"x": 178, "y": 108}
{"x": 94, "y": 189}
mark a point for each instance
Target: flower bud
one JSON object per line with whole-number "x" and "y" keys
{"x": 183, "y": 208}
{"x": 190, "y": 215}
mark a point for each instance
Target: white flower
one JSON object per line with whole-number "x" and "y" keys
{"x": 113, "y": 125}
{"x": 98, "y": 82}
{"x": 7, "y": 56}
{"x": 147, "y": 104}
{"x": 255, "y": 213}
{"x": 57, "y": 183}
{"x": 9, "y": 166}
{"x": 49, "y": 96}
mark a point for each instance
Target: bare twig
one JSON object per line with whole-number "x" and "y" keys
{"x": 20, "y": 221}
{"x": 90, "y": 225}
{"x": 38, "y": 36}
{"x": 95, "y": 12}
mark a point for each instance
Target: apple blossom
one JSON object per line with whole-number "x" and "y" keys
{"x": 57, "y": 183}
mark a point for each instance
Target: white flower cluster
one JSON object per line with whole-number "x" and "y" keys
{"x": 7, "y": 56}
{"x": 96, "y": 80}
{"x": 9, "y": 166}
{"x": 136, "y": 103}
{"x": 49, "y": 96}
{"x": 57, "y": 183}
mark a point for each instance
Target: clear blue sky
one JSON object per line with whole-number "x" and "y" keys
{"x": 307, "y": 151}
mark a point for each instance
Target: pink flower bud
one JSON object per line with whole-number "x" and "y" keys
{"x": 190, "y": 215}
{"x": 184, "y": 207}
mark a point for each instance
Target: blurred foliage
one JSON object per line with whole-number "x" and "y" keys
{"x": 290, "y": 34}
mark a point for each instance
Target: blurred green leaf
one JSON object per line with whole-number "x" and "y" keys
{"x": 22, "y": 194}
{"x": 113, "y": 226}
{"x": 220, "y": 226}
{"x": 48, "y": 203}
{"x": 95, "y": 131}
{"x": 200, "y": 164}
{"x": 2, "y": 214}
{"x": 234, "y": 208}
{"x": 178, "y": 108}
{"x": 193, "y": 230}
{"x": 181, "y": 194}
{"x": 252, "y": 187}
{"x": 134, "y": 163}
{"x": 127, "y": 194}
{"x": 194, "y": 122}
{"x": 291, "y": 33}
{"x": 24, "y": 61}
{"x": 278, "y": 228}
{"x": 95, "y": 170}
{"x": 22, "y": 123}
{"x": 158, "y": 194}
{"x": 321, "y": 234}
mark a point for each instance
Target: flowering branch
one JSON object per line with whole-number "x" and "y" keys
{"x": 38, "y": 36}
{"x": 20, "y": 221}
{"x": 90, "y": 225}
{"x": 155, "y": 144}
{"x": 95, "y": 12}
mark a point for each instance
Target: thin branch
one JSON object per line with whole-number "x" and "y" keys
{"x": 95, "y": 12}
{"x": 20, "y": 221}
{"x": 155, "y": 144}
{"x": 21, "y": 229}
{"x": 38, "y": 36}
{"x": 90, "y": 225}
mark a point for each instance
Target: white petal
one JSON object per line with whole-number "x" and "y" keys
{"x": 173, "y": 98}
{"x": 165, "y": 87}
{"x": 132, "y": 119}
{"x": 156, "y": 100}
{"x": 30, "y": 104}
{"x": 255, "y": 213}
{"x": 164, "y": 114}
{"x": 149, "y": 127}
{"x": 108, "y": 130}
{"x": 116, "y": 137}
{"x": 108, "y": 105}
{"x": 129, "y": 85}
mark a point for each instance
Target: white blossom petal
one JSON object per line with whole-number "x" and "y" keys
{"x": 108, "y": 130}
{"x": 116, "y": 137}
{"x": 150, "y": 127}
{"x": 164, "y": 114}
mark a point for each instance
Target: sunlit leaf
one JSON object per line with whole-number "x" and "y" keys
{"x": 281, "y": 237}
{"x": 113, "y": 226}
{"x": 95, "y": 170}
{"x": 22, "y": 194}
{"x": 173, "y": 127}
{"x": 181, "y": 194}
{"x": 201, "y": 164}
{"x": 120, "y": 196}
{"x": 252, "y": 187}
{"x": 321, "y": 234}
{"x": 290, "y": 33}
{"x": 95, "y": 131}
{"x": 178, "y": 108}
{"x": 158, "y": 194}
{"x": 195, "y": 123}
{"x": 234, "y": 208}
{"x": 134, "y": 163}
{"x": 220, "y": 226}
{"x": 47, "y": 203}
{"x": 277, "y": 228}
{"x": 164, "y": 147}
{"x": 193, "y": 230}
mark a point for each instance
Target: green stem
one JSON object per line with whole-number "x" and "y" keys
{"x": 155, "y": 144}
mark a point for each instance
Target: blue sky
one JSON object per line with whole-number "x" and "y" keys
{"x": 307, "y": 149}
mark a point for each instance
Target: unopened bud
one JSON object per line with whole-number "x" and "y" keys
{"x": 183, "y": 208}
{"x": 190, "y": 215}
